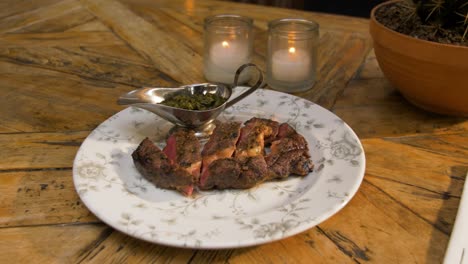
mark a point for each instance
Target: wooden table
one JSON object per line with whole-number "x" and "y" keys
{"x": 64, "y": 63}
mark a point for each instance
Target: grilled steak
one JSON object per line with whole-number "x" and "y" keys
{"x": 254, "y": 135}
{"x": 236, "y": 173}
{"x": 270, "y": 128}
{"x": 254, "y": 171}
{"x": 183, "y": 148}
{"x": 221, "y": 173}
{"x": 233, "y": 157}
{"x": 302, "y": 166}
{"x": 289, "y": 154}
{"x": 221, "y": 144}
{"x": 156, "y": 167}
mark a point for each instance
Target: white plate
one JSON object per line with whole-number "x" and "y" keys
{"x": 111, "y": 187}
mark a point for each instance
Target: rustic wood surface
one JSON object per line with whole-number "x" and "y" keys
{"x": 64, "y": 63}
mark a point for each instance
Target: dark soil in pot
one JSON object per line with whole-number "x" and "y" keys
{"x": 401, "y": 18}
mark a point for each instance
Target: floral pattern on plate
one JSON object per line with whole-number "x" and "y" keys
{"x": 111, "y": 187}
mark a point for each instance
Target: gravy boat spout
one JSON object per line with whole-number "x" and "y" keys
{"x": 150, "y": 99}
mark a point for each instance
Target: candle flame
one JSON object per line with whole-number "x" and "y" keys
{"x": 292, "y": 50}
{"x": 225, "y": 44}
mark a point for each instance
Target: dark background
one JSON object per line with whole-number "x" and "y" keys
{"x": 359, "y": 8}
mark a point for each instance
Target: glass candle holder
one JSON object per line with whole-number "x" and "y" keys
{"x": 292, "y": 54}
{"x": 228, "y": 43}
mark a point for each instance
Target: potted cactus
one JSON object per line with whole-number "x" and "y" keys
{"x": 422, "y": 48}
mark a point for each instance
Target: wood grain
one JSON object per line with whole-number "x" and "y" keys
{"x": 41, "y": 197}
{"x": 116, "y": 247}
{"x": 340, "y": 57}
{"x": 373, "y": 108}
{"x": 64, "y": 63}
{"x": 422, "y": 187}
{"x": 370, "y": 68}
{"x": 92, "y": 25}
{"x": 373, "y": 219}
{"x": 32, "y": 151}
{"x": 154, "y": 44}
{"x": 10, "y": 7}
{"x": 70, "y": 18}
{"x": 49, "y": 244}
{"x": 29, "y": 18}
{"x": 67, "y": 52}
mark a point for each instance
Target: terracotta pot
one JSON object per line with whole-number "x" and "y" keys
{"x": 431, "y": 75}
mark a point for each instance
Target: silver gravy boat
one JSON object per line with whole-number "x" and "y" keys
{"x": 199, "y": 120}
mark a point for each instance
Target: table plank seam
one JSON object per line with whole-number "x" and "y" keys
{"x": 145, "y": 65}
{"x": 448, "y": 133}
{"x": 148, "y": 64}
{"x": 52, "y": 6}
{"x": 453, "y": 154}
{"x": 34, "y": 169}
{"x": 193, "y": 257}
{"x": 197, "y": 29}
{"x": 157, "y": 60}
{"x": 60, "y": 143}
{"x": 408, "y": 135}
{"x": 358, "y": 78}
{"x": 444, "y": 195}
{"x": 19, "y": 62}
{"x": 95, "y": 223}
{"x": 86, "y": 252}
{"x": 407, "y": 208}
{"x": 362, "y": 66}
{"x": 340, "y": 247}
{"x": 357, "y": 73}
{"x": 46, "y": 132}
{"x": 150, "y": 20}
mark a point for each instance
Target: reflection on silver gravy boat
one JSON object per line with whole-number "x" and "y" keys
{"x": 199, "y": 120}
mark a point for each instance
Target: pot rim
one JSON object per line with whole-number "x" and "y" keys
{"x": 409, "y": 38}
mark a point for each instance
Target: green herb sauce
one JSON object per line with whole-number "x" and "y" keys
{"x": 194, "y": 101}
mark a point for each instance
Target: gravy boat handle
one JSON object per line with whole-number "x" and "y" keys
{"x": 251, "y": 89}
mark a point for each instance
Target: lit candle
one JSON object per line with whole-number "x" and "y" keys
{"x": 224, "y": 59}
{"x": 291, "y": 65}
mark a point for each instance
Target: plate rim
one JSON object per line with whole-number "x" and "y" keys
{"x": 251, "y": 241}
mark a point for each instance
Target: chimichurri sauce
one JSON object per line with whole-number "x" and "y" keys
{"x": 194, "y": 101}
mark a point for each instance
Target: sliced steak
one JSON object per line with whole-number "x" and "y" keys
{"x": 254, "y": 171}
{"x": 156, "y": 167}
{"x": 221, "y": 173}
{"x": 285, "y": 130}
{"x": 221, "y": 144}
{"x": 270, "y": 128}
{"x": 236, "y": 173}
{"x": 302, "y": 166}
{"x": 255, "y": 133}
{"x": 289, "y": 154}
{"x": 233, "y": 157}
{"x": 183, "y": 148}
